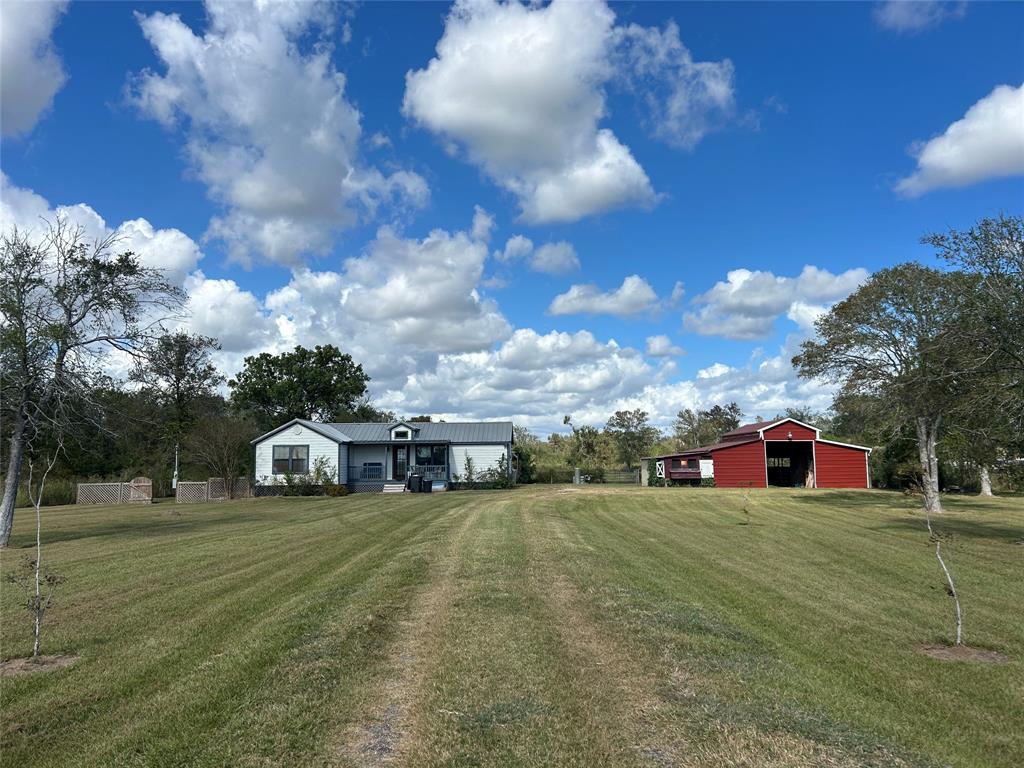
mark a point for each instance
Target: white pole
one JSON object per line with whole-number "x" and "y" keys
{"x": 174, "y": 480}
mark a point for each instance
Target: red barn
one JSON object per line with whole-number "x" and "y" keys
{"x": 784, "y": 452}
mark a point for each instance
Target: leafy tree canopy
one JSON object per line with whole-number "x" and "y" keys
{"x": 632, "y": 434}
{"x": 703, "y": 427}
{"x": 176, "y": 369}
{"x": 322, "y": 384}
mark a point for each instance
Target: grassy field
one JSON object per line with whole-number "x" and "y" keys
{"x": 554, "y": 626}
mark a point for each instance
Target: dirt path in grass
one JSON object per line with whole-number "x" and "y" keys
{"x": 394, "y": 718}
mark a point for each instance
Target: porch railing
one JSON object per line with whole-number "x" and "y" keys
{"x": 366, "y": 472}
{"x": 376, "y": 471}
{"x": 430, "y": 471}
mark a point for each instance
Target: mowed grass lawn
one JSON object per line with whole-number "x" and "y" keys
{"x": 547, "y": 626}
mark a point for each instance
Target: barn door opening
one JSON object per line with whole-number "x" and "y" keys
{"x": 790, "y": 463}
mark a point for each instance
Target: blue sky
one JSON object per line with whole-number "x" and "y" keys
{"x": 354, "y": 175}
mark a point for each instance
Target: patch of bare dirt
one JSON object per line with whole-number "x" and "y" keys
{"x": 963, "y": 653}
{"x": 392, "y": 720}
{"x": 16, "y": 667}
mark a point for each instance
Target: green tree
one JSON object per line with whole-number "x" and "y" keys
{"x": 65, "y": 302}
{"x": 993, "y": 252}
{"x": 808, "y": 415}
{"x": 176, "y": 370}
{"x": 693, "y": 429}
{"x": 632, "y": 435}
{"x": 221, "y": 444}
{"x": 525, "y": 447}
{"x": 902, "y": 342}
{"x": 322, "y": 384}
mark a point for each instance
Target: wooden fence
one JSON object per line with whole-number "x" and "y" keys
{"x": 138, "y": 491}
{"x": 629, "y": 476}
{"x": 214, "y": 489}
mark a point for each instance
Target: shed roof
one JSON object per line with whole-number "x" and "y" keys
{"x": 706, "y": 448}
{"x": 753, "y": 428}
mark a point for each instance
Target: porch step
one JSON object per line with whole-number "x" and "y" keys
{"x": 394, "y": 488}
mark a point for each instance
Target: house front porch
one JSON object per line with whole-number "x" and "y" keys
{"x": 371, "y": 466}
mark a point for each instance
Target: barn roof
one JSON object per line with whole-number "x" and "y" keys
{"x": 706, "y": 448}
{"x": 754, "y": 428}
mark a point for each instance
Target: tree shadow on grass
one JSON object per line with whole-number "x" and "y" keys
{"x": 895, "y": 501}
{"x": 145, "y": 525}
{"x": 975, "y": 529}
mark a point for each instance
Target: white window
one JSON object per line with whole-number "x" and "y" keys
{"x": 401, "y": 434}
{"x": 291, "y": 458}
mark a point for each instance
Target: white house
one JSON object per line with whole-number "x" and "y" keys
{"x": 366, "y": 457}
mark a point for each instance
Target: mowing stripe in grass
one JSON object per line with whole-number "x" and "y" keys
{"x": 612, "y": 627}
{"x": 841, "y": 672}
{"x": 216, "y": 651}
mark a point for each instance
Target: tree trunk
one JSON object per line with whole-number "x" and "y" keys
{"x": 927, "y": 432}
{"x": 986, "y": 482}
{"x": 14, "y": 461}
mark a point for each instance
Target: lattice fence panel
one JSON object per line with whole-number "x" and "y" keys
{"x": 217, "y": 491}
{"x": 191, "y": 492}
{"x": 98, "y": 493}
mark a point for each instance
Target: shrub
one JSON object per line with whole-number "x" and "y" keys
{"x": 552, "y": 474}
{"x": 335, "y": 490}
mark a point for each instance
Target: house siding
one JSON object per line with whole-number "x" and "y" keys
{"x": 485, "y": 457}
{"x": 782, "y": 431}
{"x": 319, "y": 446}
{"x": 343, "y": 463}
{"x": 741, "y": 466}
{"x": 840, "y": 467}
{"x": 362, "y": 454}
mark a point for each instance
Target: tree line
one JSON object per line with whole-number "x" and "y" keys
{"x": 928, "y": 363}
{"x": 71, "y": 311}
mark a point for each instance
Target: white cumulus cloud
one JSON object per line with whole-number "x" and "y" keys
{"x": 521, "y": 90}
{"x": 747, "y": 303}
{"x": 168, "y": 249}
{"x": 911, "y": 16}
{"x": 686, "y": 99}
{"x": 633, "y": 297}
{"x": 662, "y": 346}
{"x": 986, "y": 143}
{"x": 556, "y": 258}
{"x": 268, "y": 127}
{"x": 32, "y": 68}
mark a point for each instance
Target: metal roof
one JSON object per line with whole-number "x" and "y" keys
{"x": 324, "y": 429}
{"x": 705, "y": 448}
{"x": 748, "y": 428}
{"x": 429, "y": 432}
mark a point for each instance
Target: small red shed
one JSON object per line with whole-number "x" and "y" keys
{"x": 783, "y": 452}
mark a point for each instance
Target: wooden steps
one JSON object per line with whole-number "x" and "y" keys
{"x": 394, "y": 488}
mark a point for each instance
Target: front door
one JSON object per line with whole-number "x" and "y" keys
{"x": 401, "y": 460}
